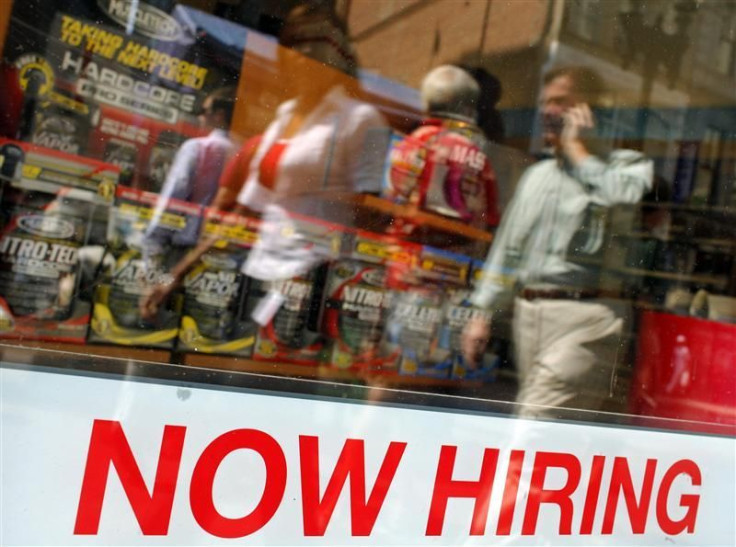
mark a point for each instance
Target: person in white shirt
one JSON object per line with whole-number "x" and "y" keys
{"x": 309, "y": 158}
{"x": 312, "y": 149}
{"x": 566, "y": 333}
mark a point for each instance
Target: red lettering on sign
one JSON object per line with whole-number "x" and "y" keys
{"x": 351, "y": 463}
{"x": 689, "y": 501}
{"x": 539, "y": 495}
{"x": 621, "y": 483}
{"x": 445, "y": 488}
{"x": 591, "y": 496}
{"x": 152, "y": 507}
{"x": 203, "y": 478}
{"x": 510, "y": 492}
{"x": 108, "y": 445}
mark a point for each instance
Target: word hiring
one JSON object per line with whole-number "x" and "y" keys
{"x": 109, "y": 447}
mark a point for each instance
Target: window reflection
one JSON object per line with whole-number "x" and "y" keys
{"x": 351, "y": 186}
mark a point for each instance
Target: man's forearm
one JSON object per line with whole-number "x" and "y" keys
{"x": 575, "y": 152}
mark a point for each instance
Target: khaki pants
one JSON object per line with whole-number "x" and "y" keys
{"x": 566, "y": 353}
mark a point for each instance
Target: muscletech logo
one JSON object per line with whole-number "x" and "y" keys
{"x": 220, "y": 262}
{"x": 45, "y": 226}
{"x": 375, "y": 277}
{"x": 147, "y": 20}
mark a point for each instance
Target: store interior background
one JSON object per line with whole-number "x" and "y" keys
{"x": 670, "y": 68}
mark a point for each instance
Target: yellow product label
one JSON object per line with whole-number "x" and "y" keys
{"x": 31, "y": 171}
{"x": 31, "y": 62}
{"x": 409, "y": 366}
{"x": 6, "y": 325}
{"x": 104, "y": 325}
{"x": 267, "y": 348}
{"x": 68, "y": 102}
{"x": 170, "y": 220}
{"x": 190, "y": 336}
{"x": 106, "y": 189}
{"x": 343, "y": 360}
{"x": 385, "y": 252}
{"x": 237, "y": 234}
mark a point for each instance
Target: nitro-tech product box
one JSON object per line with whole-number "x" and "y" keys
{"x": 136, "y": 262}
{"x": 50, "y": 201}
{"x": 359, "y": 296}
{"x": 290, "y": 332}
{"x": 415, "y": 325}
{"x": 457, "y": 313}
{"x": 216, "y": 318}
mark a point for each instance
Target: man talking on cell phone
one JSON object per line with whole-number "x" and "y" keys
{"x": 567, "y": 331}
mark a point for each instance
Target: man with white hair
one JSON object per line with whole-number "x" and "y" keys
{"x": 449, "y": 91}
{"x": 443, "y": 165}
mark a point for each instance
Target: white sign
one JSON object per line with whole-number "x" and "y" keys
{"x": 95, "y": 461}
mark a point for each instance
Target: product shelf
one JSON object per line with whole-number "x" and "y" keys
{"x": 423, "y": 218}
{"x": 99, "y": 350}
{"x": 674, "y": 276}
{"x": 238, "y": 364}
{"x": 317, "y": 372}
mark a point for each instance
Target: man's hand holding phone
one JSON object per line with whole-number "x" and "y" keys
{"x": 577, "y": 120}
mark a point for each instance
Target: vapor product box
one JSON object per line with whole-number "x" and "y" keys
{"x": 292, "y": 333}
{"x": 457, "y": 313}
{"x": 49, "y": 202}
{"x": 139, "y": 262}
{"x": 61, "y": 128}
{"x": 356, "y": 307}
{"x": 216, "y": 316}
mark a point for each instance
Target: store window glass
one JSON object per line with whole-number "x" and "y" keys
{"x": 524, "y": 209}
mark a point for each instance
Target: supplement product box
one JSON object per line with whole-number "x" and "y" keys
{"x": 445, "y": 267}
{"x": 413, "y": 329}
{"x": 359, "y": 298}
{"x": 458, "y": 312}
{"x": 215, "y": 317}
{"x": 135, "y": 264}
{"x": 404, "y": 163}
{"x": 50, "y": 203}
{"x": 289, "y": 309}
{"x": 357, "y": 302}
{"x": 290, "y": 336}
{"x": 416, "y": 323}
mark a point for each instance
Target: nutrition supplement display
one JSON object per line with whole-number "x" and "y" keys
{"x": 443, "y": 167}
{"x": 291, "y": 335}
{"x": 50, "y": 201}
{"x": 137, "y": 263}
{"x": 457, "y": 313}
{"x": 216, "y": 317}
{"x": 357, "y": 304}
{"x": 416, "y": 321}
{"x": 289, "y": 307}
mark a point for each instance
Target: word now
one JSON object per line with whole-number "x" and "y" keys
{"x": 109, "y": 447}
